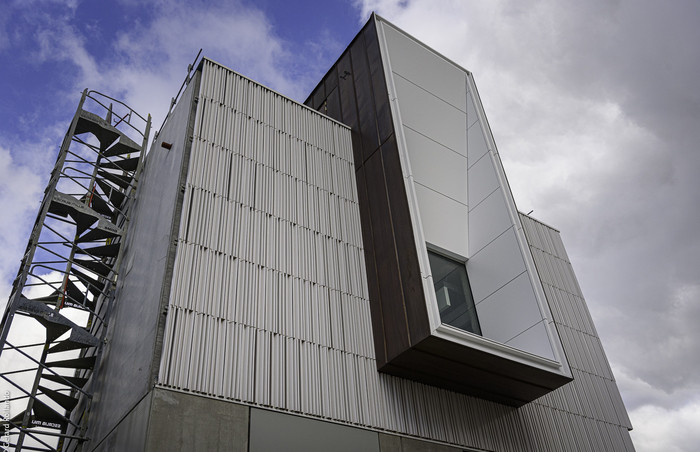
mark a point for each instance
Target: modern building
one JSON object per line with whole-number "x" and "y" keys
{"x": 348, "y": 274}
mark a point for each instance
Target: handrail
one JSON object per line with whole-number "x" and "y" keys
{"x": 174, "y": 100}
{"x": 131, "y": 110}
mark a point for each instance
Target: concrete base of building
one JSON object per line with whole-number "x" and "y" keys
{"x": 166, "y": 420}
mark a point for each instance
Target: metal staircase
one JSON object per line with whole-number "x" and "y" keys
{"x": 58, "y": 313}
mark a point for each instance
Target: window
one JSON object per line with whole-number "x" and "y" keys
{"x": 454, "y": 296}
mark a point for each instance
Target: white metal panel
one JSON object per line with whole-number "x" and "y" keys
{"x": 426, "y": 69}
{"x": 431, "y": 116}
{"x": 444, "y": 220}
{"x": 534, "y": 340}
{"x": 488, "y": 220}
{"x": 482, "y": 180}
{"x": 495, "y": 265}
{"x": 476, "y": 143}
{"x": 501, "y": 319}
{"x": 436, "y": 166}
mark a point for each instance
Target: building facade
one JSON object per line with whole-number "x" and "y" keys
{"x": 348, "y": 274}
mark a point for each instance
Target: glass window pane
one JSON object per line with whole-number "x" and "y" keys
{"x": 454, "y": 295}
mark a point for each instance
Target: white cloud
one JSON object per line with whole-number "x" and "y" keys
{"x": 658, "y": 429}
{"x": 641, "y": 393}
{"x": 60, "y": 41}
{"x": 20, "y": 193}
{"x": 154, "y": 61}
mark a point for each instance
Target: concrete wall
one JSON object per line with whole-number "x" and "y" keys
{"x": 184, "y": 422}
{"x": 172, "y": 421}
{"x": 130, "y": 431}
{"x": 126, "y": 370}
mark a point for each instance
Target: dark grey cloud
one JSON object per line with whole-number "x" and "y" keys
{"x": 642, "y": 247}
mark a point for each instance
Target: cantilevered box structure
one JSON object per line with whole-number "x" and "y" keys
{"x": 434, "y": 197}
{"x": 348, "y": 274}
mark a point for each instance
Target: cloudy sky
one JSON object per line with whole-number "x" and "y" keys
{"x": 594, "y": 105}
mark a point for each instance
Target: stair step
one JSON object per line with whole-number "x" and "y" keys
{"x": 63, "y": 205}
{"x": 55, "y": 323}
{"x": 76, "y": 381}
{"x": 49, "y": 299}
{"x": 100, "y": 205}
{"x": 115, "y": 196}
{"x": 17, "y": 419}
{"x": 45, "y": 414}
{"x": 93, "y": 284}
{"x": 94, "y": 266}
{"x": 79, "y": 338}
{"x": 103, "y": 131}
{"x": 103, "y": 230}
{"x": 74, "y": 293}
{"x": 122, "y": 181}
{"x": 75, "y": 363}
{"x": 124, "y": 146}
{"x": 25, "y": 447}
{"x": 124, "y": 165}
{"x": 102, "y": 251}
{"x": 66, "y": 401}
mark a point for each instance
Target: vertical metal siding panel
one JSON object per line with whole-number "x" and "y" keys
{"x": 241, "y": 374}
{"x": 199, "y": 358}
{"x": 250, "y": 334}
{"x": 262, "y": 371}
{"x": 353, "y": 315}
{"x": 173, "y": 375}
{"x": 208, "y": 371}
{"x": 367, "y": 333}
{"x": 183, "y": 350}
{"x": 614, "y": 392}
{"x": 320, "y": 381}
{"x": 277, "y": 369}
{"x": 241, "y": 363}
{"x": 191, "y": 351}
{"x": 168, "y": 339}
{"x": 337, "y": 325}
{"x": 587, "y": 396}
{"x": 292, "y": 373}
{"x": 304, "y": 389}
{"x": 231, "y": 355}
{"x": 339, "y": 384}
{"x": 351, "y": 385}
{"x": 368, "y": 375}
{"x": 312, "y": 382}
{"x": 233, "y": 349}
{"x": 325, "y": 315}
{"x": 218, "y": 377}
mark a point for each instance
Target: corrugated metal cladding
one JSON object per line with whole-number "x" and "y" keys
{"x": 269, "y": 301}
{"x": 593, "y": 395}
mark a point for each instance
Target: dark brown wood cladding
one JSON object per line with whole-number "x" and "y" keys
{"x": 399, "y": 316}
{"x": 464, "y": 369}
{"x": 371, "y": 268}
{"x": 411, "y": 282}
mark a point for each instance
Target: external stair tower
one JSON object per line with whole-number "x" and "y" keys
{"x": 56, "y": 320}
